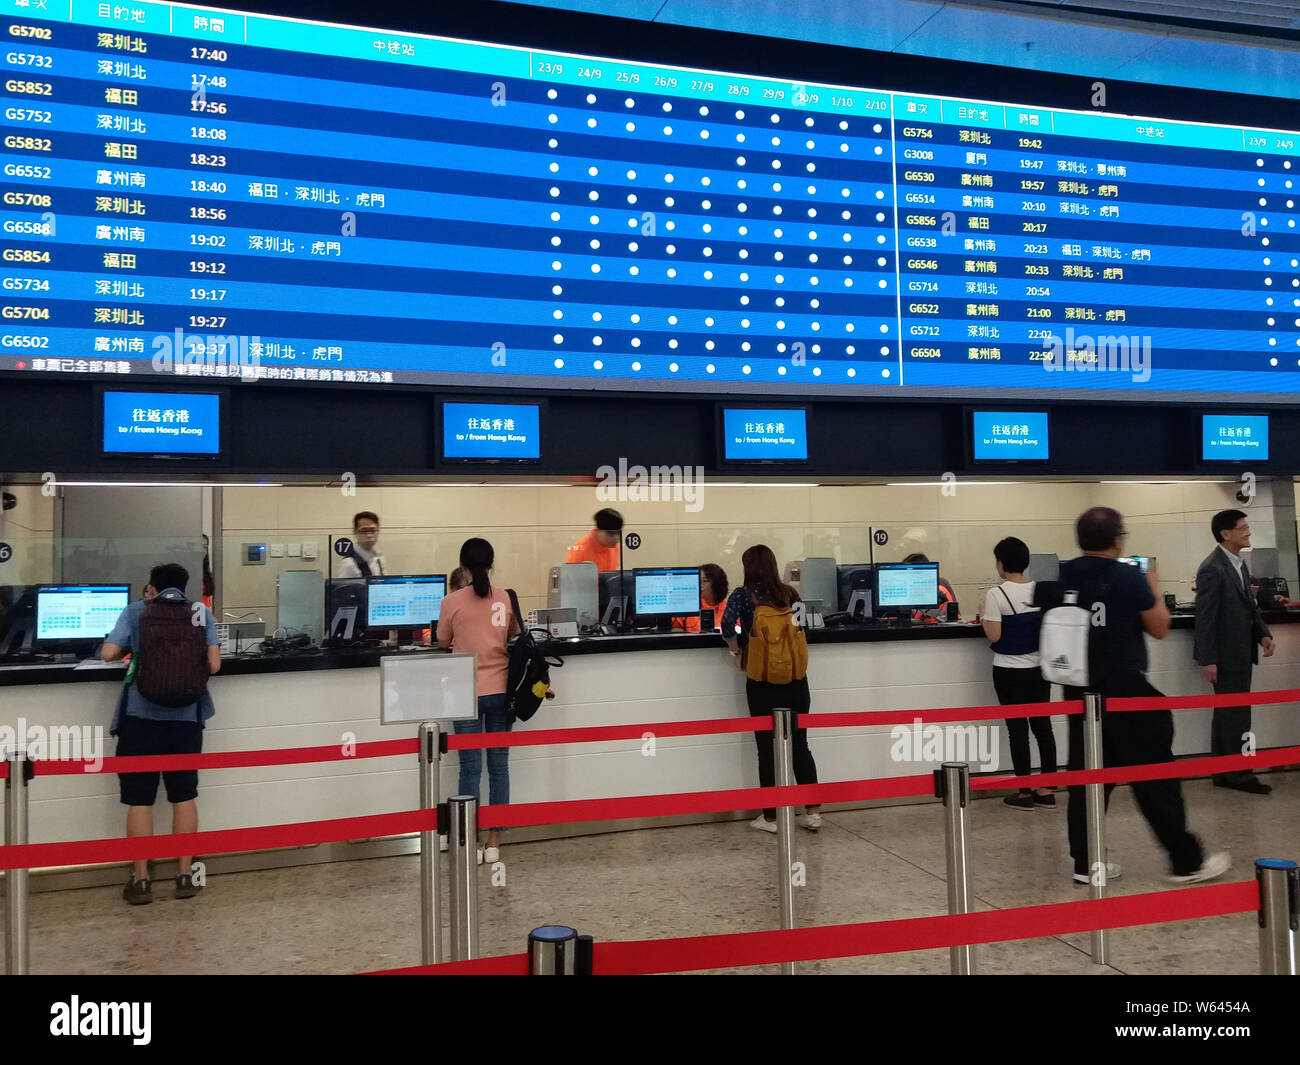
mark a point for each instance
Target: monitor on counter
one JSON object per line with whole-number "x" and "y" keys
{"x": 410, "y": 602}
{"x": 662, "y": 593}
{"x": 855, "y": 584}
{"x": 78, "y": 613}
{"x": 763, "y": 434}
{"x": 1234, "y": 437}
{"x": 614, "y": 589}
{"x": 345, "y": 609}
{"x": 907, "y": 586}
{"x": 491, "y": 432}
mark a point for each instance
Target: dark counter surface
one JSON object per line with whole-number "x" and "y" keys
{"x": 46, "y": 671}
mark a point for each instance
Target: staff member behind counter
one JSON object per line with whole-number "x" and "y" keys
{"x": 601, "y": 544}
{"x": 713, "y": 596}
{"x": 365, "y": 559}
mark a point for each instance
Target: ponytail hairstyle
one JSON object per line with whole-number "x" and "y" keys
{"x": 476, "y": 558}
{"x": 763, "y": 580}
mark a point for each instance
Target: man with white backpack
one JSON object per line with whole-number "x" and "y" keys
{"x": 1093, "y": 640}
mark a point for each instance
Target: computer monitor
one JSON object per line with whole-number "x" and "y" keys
{"x": 345, "y": 609}
{"x": 72, "y": 616}
{"x": 410, "y": 602}
{"x": 850, "y": 578}
{"x": 17, "y": 618}
{"x": 906, "y": 586}
{"x": 614, "y": 589}
{"x": 663, "y": 593}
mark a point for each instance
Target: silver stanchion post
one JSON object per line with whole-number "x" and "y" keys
{"x": 954, "y": 789}
{"x": 16, "y": 948}
{"x": 1279, "y": 915}
{"x": 1095, "y": 805}
{"x": 783, "y": 753}
{"x": 553, "y": 951}
{"x": 430, "y": 890}
{"x": 463, "y": 846}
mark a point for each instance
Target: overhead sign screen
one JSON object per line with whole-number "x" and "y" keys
{"x": 168, "y": 423}
{"x": 201, "y": 194}
{"x": 489, "y": 431}
{"x": 764, "y": 434}
{"x": 1234, "y": 437}
{"x": 1016, "y": 436}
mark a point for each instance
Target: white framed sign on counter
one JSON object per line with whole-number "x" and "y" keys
{"x": 432, "y": 687}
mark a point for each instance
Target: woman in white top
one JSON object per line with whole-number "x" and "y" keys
{"x": 1011, "y": 621}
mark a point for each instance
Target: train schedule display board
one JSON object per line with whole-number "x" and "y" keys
{"x": 198, "y": 193}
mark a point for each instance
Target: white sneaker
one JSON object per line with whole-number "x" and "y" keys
{"x": 480, "y": 855}
{"x": 811, "y": 821}
{"x": 491, "y": 854}
{"x": 1213, "y": 866}
{"x": 1113, "y": 872}
{"x": 763, "y": 824}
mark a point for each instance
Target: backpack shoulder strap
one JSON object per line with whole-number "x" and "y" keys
{"x": 514, "y": 605}
{"x": 1008, "y": 599}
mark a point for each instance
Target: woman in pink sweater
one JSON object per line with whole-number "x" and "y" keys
{"x": 478, "y": 619}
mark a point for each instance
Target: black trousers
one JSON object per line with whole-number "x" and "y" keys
{"x": 763, "y": 698}
{"x": 1230, "y": 723}
{"x": 1134, "y": 738}
{"x": 1026, "y": 686}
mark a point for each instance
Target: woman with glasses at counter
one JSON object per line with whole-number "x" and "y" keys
{"x": 713, "y": 596}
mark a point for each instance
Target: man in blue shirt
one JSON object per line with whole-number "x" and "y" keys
{"x": 146, "y": 728}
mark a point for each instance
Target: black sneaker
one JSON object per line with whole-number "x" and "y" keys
{"x": 137, "y": 892}
{"x": 1020, "y": 802}
{"x": 185, "y": 886}
{"x": 1048, "y": 800}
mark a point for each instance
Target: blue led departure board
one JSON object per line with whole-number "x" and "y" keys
{"x": 197, "y": 193}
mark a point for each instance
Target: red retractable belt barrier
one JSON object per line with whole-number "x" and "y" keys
{"x": 152, "y": 763}
{"x": 741, "y": 949}
{"x": 574, "y": 811}
{"x": 956, "y": 713}
{"x": 602, "y": 733}
{"x": 1195, "y": 702}
{"x": 222, "y": 841}
{"x": 1187, "y": 767}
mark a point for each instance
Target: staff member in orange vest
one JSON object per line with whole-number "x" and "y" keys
{"x": 713, "y": 596}
{"x": 601, "y": 544}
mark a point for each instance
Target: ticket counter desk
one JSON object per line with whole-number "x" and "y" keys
{"x": 330, "y": 698}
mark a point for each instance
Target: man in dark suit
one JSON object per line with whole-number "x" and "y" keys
{"x": 1229, "y": 633}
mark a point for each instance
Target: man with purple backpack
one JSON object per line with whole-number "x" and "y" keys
{"x": 174, "y": 650}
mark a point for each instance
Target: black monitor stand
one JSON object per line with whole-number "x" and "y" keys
{"x": 19, "y": 640}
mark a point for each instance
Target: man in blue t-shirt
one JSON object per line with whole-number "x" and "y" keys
{"x": 146, "y": 728}
{"x": 1126, "y": 608}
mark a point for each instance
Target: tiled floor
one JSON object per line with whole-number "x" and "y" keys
{"x": 877, "y": 864}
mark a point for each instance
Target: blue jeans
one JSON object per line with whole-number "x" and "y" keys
{"x": 492, "y": 710}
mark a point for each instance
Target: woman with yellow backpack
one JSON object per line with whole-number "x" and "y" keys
{"x": 763, "y": 627}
